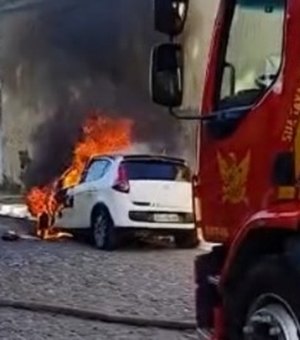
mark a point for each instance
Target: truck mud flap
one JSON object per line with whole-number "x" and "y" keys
{"x": 207, "y": 268}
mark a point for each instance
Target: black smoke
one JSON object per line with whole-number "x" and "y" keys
{"x": 68, "y": 57}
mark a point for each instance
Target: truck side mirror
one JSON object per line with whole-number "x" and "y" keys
{"x": 166, "y": 75}
{"x": 170, "y": 16}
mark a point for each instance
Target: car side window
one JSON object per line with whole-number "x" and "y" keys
{"x": 96, "y": 170}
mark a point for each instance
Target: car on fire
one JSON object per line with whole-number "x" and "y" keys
{"x": 120, "y": 196}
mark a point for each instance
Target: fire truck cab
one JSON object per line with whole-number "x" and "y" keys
{"x": 248, "y": 163}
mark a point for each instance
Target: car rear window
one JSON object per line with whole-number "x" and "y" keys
{"x": 156, "y": 170}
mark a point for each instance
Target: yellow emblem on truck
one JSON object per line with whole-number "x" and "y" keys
{"x": 234, "y": 176}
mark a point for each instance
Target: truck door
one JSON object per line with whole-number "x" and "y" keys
{"x": 244, "y": 88}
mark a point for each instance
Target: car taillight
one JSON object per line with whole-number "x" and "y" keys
{"x": 122, "y": 182}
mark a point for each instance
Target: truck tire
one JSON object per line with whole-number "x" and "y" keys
{"x": 187, "y": 239}
{"x": 103, "y": 232}
{"x": 266, "y": 304}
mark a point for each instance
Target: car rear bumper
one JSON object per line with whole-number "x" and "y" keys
{"x": 168, "y": 217}
{"x": 127, "y": 214}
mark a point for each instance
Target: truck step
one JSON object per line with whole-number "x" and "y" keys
{"x": 204, "y": 334}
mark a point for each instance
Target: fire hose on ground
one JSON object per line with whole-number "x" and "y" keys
{"x": 93, "y": 315}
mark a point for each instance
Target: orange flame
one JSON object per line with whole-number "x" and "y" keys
{"x": 41, "y": 200}
{"x": 100, "y": 135}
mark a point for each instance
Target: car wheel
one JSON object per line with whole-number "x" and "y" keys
{"x": 187, "y": 239}
{"x": 104, "y": 233}
{"x": 266, "y": 304}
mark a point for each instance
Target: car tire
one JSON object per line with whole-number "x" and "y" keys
{"x": 187, "y": 239}
{"x": 104, "y": 234}
{"x": 266, "y": 300}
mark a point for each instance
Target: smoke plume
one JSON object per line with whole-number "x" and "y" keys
{"x": 66, "y": 58}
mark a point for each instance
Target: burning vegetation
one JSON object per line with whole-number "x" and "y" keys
{"x": 100, "y": 135}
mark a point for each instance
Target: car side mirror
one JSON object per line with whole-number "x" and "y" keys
{"x": 170, "y": 16}
{"x": 166, "y": 75}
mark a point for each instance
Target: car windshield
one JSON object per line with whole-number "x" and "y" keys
{"x": 156, "y": 170}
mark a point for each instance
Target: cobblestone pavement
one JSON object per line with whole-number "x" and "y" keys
{"x": 138, "y": 282}
{"x": 27, "y": 326}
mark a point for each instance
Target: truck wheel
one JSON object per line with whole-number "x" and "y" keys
{"x": 104, "y": 233}
{"x": 187, "y": 239}
{"x": 267, "y": 303}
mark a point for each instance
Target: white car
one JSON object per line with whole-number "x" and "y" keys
{"x": 124, "y": 194}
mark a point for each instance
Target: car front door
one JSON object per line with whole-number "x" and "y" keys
{"x": 64, "y": 217}
{"x": 85, "y": 194}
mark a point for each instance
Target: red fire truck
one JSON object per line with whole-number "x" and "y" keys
{"x": 248, "y": 176}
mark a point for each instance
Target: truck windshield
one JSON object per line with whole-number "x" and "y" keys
{"x": 253, "y": 53}
{"x": 156, "y": 170}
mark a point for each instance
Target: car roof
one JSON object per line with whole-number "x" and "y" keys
{"x": 141, "y": 157}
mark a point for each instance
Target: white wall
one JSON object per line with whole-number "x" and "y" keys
{"x": 17, "y": 125}
{"x": 196, "y": 39}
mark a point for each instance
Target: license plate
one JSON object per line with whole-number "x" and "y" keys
{"x": 166, "y": 218}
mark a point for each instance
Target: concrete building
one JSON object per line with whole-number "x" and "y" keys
{"x": 17, "y": 125}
